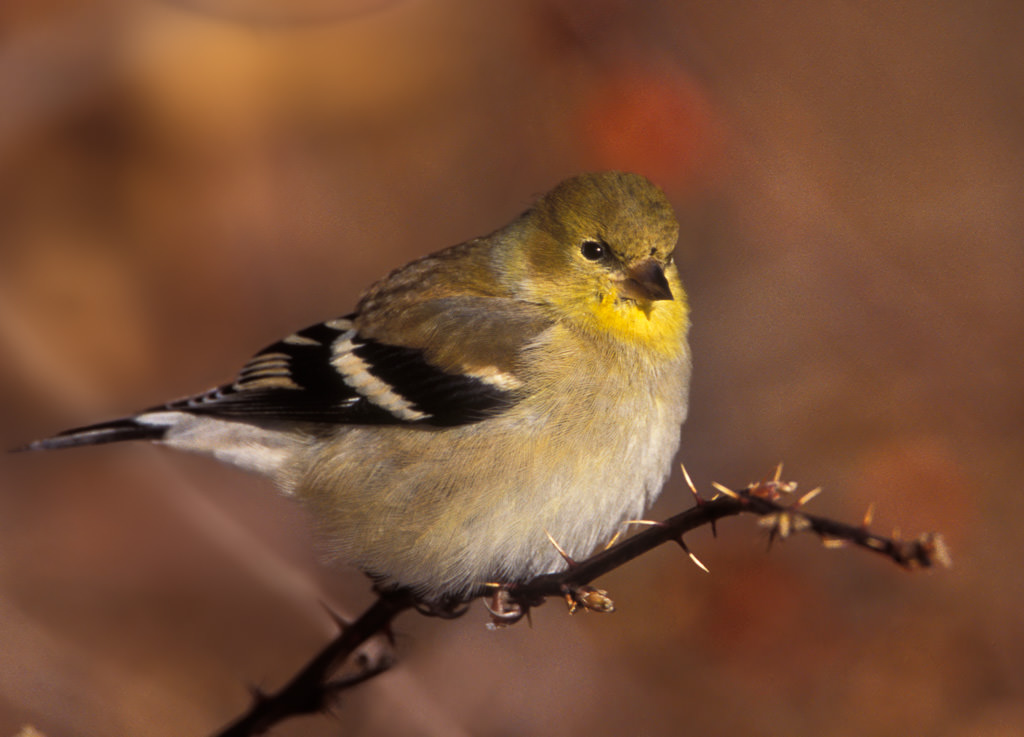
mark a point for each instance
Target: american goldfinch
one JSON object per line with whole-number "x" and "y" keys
{"x": 481, "y": 402}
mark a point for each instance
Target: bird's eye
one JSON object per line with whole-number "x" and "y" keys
{"x": 593, "y": 250}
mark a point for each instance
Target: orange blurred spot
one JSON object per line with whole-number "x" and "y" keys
{"x": 655, "y": 123}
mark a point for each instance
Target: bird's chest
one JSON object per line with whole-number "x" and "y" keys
{"x": 601, "y": 449}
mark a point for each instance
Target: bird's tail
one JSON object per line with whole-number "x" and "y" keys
{"x": 126, "y": 428}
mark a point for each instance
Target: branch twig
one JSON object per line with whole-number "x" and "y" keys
{"x": 312, "y": 689}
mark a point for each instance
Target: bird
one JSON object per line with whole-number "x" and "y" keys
{"x": 486, "y": 414}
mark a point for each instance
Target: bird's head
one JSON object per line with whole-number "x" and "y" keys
{"x": 597, "y": 251}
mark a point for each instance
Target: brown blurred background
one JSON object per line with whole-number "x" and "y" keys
{"x": 183, "y": 182}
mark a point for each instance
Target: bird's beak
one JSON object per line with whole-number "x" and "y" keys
{"x": 645, "y": 281}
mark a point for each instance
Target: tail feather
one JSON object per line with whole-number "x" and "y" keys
{"x": 114, "y": 431}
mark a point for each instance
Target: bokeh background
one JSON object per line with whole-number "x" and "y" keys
{"x": 183, "y": 182}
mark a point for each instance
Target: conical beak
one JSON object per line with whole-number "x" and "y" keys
{"x": 646, "y": 280}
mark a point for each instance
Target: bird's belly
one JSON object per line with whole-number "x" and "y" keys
{"x": 452, "y": 510}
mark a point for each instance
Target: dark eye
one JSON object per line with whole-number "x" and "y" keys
{"x": 593, "y": 250}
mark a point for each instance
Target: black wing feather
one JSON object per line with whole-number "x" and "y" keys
{"x": 296, "y": 380}
{"x": 448, "y": 399}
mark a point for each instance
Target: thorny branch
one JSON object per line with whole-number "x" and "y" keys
{"x": 313, "y": 689}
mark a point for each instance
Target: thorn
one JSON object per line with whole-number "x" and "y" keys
{"x": 686, "y": 549}
{"x": 725, "y": 490}
{"x": 561, "y": 551}
{"x": 778, "y": 473}
{"x": 869, "y": 516}
{"x": 340, "y": 621}
{"x": 808, "y": 496}
{"x": 689, "y": 483}
{"x": 257, "y": 694}
{"x": 614, "y": 539}
{"x": 647, "y": 522}
{"x": 696, "y": 562}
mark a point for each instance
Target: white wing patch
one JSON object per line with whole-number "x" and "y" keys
{"x": 267, "y": 371}
{"x": 495, "y": 377}
{"x": 296, "y": 339}
{"x": 356, "y": 373}
{"x": 341, "y": 324}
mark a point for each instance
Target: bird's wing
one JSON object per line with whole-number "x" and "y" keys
{"x": 445, "y": 362}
